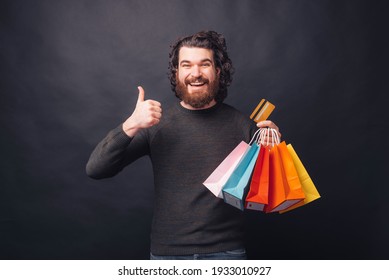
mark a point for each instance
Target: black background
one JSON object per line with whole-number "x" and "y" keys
{"x": 69, "y": 72}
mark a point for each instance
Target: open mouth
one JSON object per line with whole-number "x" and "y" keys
{"x": 197, "y": 84}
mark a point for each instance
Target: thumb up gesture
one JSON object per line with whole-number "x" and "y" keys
{"x": 146, "y": 114}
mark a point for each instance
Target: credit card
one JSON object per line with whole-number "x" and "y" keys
{"x": 262, "y": 111}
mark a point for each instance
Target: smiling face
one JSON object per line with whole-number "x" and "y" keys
{"x": 197, "y": 78}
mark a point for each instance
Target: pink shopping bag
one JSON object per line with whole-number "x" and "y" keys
{"x": 220, "y": 175}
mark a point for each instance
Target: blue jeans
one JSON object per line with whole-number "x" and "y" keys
{"x": 238, "y": 254}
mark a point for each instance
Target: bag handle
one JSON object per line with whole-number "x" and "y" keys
{"x": 264, "y": 138}
{"x": 255, "y": 137}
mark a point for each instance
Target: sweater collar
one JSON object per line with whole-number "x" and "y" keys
{"x": 198, "y": 112}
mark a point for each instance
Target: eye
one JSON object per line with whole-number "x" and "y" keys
{"x": 206, "y": 64}
{"x": 185, "y": 65}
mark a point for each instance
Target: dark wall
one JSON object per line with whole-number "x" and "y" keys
{"x": 69, "y": 72}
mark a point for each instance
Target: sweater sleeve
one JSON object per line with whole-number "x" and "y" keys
{"x": 114, "y": 152}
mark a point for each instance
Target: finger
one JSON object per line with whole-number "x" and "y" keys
{"x": 154, "y": 103}
{"x": 141, "y": 96}
{"x": 152, "y": 108}
{"x": 157, "y": 109}
{"x": 154, "y": 121}
{"x": 270, "y": 124}
{"x": 156, "y": 115}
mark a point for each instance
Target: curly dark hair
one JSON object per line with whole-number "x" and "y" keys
{"x": 208, "y": 40}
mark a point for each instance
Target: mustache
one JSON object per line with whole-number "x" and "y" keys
{"x": 196, "y": 80}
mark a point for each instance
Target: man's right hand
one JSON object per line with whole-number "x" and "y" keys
{"x": 146, "y": 114}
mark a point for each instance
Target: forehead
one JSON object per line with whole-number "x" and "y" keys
{"x": 195, "y": 54}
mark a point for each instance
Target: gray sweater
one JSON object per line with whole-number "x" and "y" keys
{"x": 184, "y": 148}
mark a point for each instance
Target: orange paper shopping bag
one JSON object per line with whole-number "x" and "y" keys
{"x": 285, "y": 187}
{"x": 307, "y": 184}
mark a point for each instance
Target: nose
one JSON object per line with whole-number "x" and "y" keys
{"x": 195, "y": 71}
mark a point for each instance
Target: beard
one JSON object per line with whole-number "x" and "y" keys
{"x": 197, "y": 99}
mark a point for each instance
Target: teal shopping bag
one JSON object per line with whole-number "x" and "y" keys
{"x": 234, "y": 188}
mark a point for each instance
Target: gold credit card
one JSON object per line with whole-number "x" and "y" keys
{"x": 262, "y": 111}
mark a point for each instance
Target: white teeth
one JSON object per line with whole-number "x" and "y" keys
{"x": 196, "y": 84}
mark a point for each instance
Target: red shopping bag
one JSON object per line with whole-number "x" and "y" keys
{"x": 257, "y": 196}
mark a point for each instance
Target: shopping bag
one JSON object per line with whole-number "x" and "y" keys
{"x": 257, "y": 196}
{"x": 285, "y": 187}
{"x": 220, "y": 175}
{"x": 234, "y": 189}
{"x": 307, "y": 184}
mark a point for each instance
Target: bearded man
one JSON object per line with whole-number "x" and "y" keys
{"x": 185, "y": 144}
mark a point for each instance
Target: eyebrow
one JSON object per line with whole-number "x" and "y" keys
{"x": 202, "y": 61}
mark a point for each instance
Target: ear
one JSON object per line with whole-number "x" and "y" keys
{"x": 218, "y": 70}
